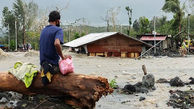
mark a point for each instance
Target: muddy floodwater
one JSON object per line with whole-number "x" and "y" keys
{"x": 125, "y": 71}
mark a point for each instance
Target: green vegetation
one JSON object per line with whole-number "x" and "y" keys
{"x": 22, "y": 19}
{"x": 129, "y": 13}
{"x": 19, "y": 20}
{"x": 113, "y": 83}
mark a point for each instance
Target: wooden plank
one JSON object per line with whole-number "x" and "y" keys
{"x": 132, "y": 55}
{"x": 106, "y": 54}
{"x": 136, "y": 55}
{"x": 99, "y": 54}
{"x": 92, "y": 54}
{"x": 123, "y": 54}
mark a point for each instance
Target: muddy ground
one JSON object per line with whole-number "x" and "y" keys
{"x": 125, "y": 71}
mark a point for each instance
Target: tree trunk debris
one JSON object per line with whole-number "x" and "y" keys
{"x": 144, "y": 69}
{"x": 77, "y": 89}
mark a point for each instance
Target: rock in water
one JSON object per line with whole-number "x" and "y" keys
{"x": 148, "y": 81}
{"x": 176, "y": 82}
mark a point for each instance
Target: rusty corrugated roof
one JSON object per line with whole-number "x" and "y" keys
{"x": 151, "y": 38}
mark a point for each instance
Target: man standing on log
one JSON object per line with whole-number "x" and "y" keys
{"x": 50, "y": 49}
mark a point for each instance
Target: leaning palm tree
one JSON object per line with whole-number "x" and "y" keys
{"x": 174, "y": 7}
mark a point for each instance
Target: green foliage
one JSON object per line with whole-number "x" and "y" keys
{"x": 144, "y": 25}
{"x": 76, "y": 35}
{"x": 12, "y": 45}
{"x": 22, "y": 13}
{"x": 192, "y": 24}
{"x": 174, "y": 7}
{"x": 82, "y": 34}
{"x": 162, "y": 25}
{"x": 8, "y": 20}
{"x": 171, "y": 6}
{"x": 129, "y": 12}
{"x": 136, "y": 25}
{"x": 33, "y": 39}
{"x": 133, "y": 33}
{"x": 113, "y": 83}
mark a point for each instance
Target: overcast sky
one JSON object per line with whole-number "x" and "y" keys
{"x": 94, "y": 10}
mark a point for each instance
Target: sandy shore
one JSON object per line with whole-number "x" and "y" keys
{"x": 125, "y": 71}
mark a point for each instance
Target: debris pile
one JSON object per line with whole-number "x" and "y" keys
{"x": 177, "y": 82}
{"x": 147, "y": 84}
{"x": 19, "y": 101}
{"x": 9, "y": 99}
{"x": 181, "y": 99}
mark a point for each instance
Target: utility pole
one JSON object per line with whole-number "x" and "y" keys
{"x": 8, "y": 38}
{"x": 154, "y": 35}
{"x": 16, "y": 36}
{"x": 121, "y": 28}
{"x": 188, "y": 38}
{"x": 68, "y": 35}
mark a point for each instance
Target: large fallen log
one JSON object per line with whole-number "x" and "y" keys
{"x": 77, "y": 89}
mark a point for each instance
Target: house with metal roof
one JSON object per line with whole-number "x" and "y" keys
{"x": 165, "y": 40}
{"x": 108, "y": 44}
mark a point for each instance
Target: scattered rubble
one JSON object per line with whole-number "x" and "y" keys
{"x": 123, "y": 102}
{"x": 181, "y": 99}
{"x": 9, "y": 99}
{"x": 18, "y": 101}
{"x": 176, "y": 81}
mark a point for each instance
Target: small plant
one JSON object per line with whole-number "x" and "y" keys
{"x": 113, "y": 83}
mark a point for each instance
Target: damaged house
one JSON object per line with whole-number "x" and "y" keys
{"x": 108, "y": 44}
{"x": 163, "y": 41}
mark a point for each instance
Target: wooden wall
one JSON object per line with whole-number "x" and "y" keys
{"x": 117, "y": 45}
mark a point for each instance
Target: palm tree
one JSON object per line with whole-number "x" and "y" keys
{"x": 129, "y": 12}
{"x": 174, "y": 7}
